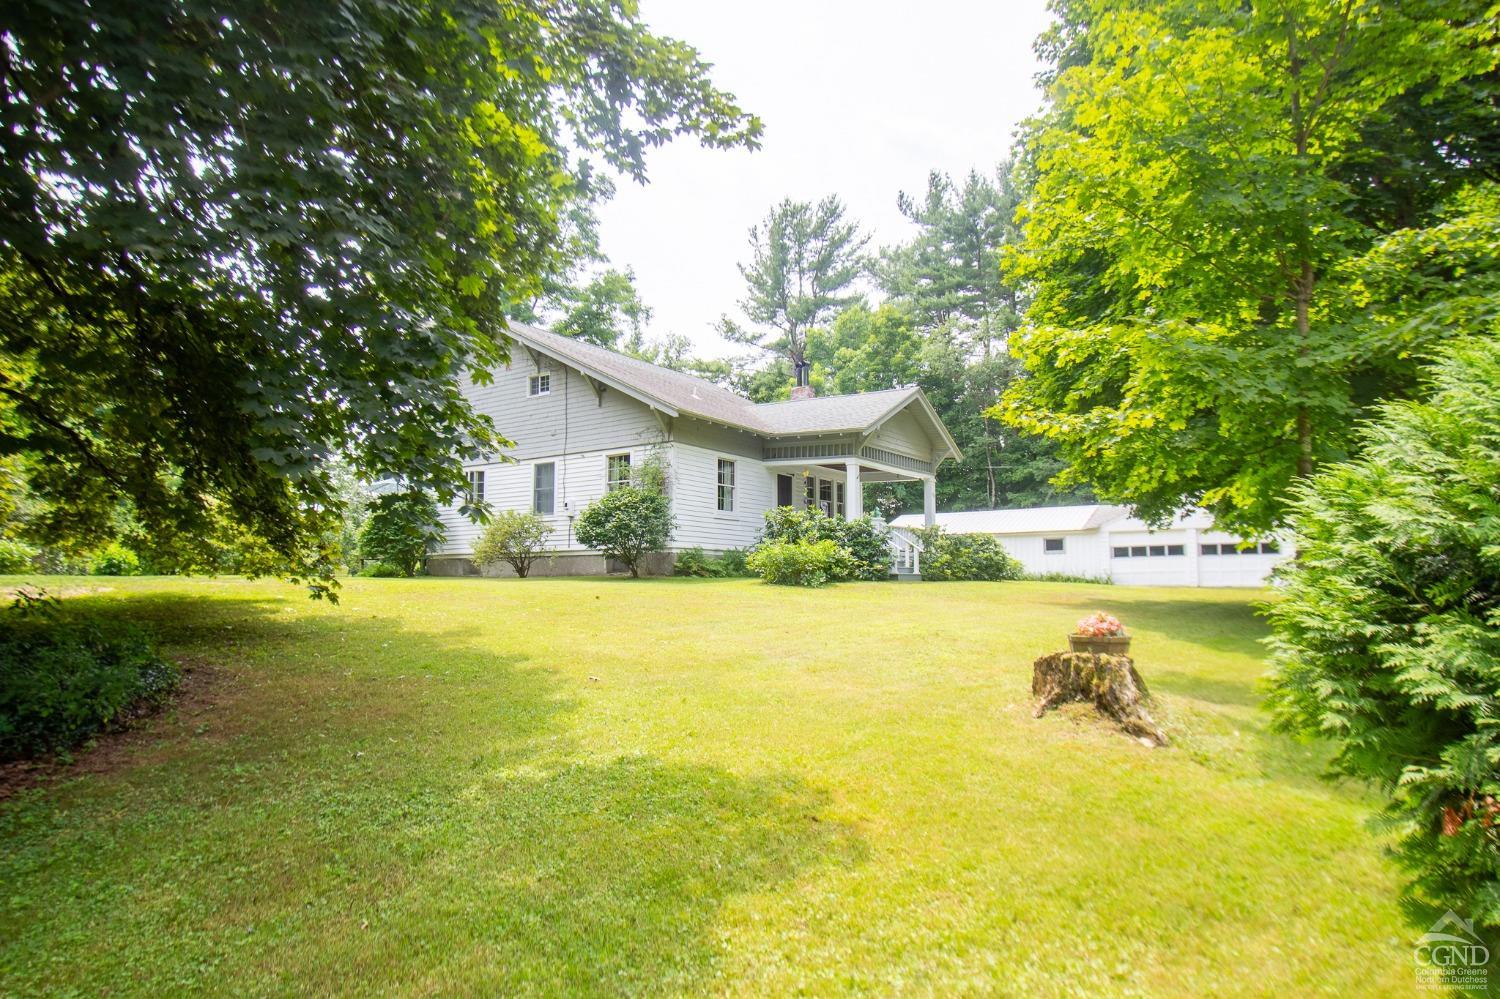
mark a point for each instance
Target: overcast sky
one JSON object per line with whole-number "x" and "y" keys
{"x": 859, "y": 97}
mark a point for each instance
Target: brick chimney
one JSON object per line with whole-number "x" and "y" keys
{"x": 803, "y": 388}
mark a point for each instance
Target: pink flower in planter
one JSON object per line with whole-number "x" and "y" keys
{"x": 1101, "y": 625}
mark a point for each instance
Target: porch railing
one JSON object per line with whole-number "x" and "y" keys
{"x": 906, "y": 553}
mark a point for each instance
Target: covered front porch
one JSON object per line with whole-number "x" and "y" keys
{"x": 837, "y": 487}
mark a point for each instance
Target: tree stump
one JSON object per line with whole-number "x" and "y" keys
{"x": 1110, "y": 682}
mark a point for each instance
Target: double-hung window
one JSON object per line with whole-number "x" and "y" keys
{"x": 726, "y": 485}
{"x": 476, "y": 486}
{"x": 543, "y": 486}
{"x": 617, "y": 472}
{"x": 540, "y": 384}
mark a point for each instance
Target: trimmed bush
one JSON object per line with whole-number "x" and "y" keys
{"x": 1386, "y": 632}
{"x": 626, "y": 524}
{"x": 381, "y": 570}
{"x": 514, "y": 537}
{"x": 801, "y": 563}
{"x": 868, "y": 547}
{"x": 115, "y": 559}
{"x": 959, "y": 557}
{"x": 16, "y": 556}
{"x": 61, "y": 683}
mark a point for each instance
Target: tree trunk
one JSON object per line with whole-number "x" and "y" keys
{"x": 1304, "y": 293}
{"x": 1110, "y": 682}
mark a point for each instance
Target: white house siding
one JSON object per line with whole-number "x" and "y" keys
{"x": 570, "y": 426}
{"x": 571, "y": 418}
{"x": 1083, "y": 554}
{"x": 695, "y": 498}
{"x": 580, "y": 478}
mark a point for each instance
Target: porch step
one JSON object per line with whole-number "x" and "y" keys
{"x": 907, "y": 577}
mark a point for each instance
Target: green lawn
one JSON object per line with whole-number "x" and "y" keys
{"x": 691, "y": 786}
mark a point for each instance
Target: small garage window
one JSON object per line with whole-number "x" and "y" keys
{"x": 1052, "y": 546}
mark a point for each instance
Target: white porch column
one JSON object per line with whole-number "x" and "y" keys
{"x": 854, "y": 491}
{"x": 929, "y": 500}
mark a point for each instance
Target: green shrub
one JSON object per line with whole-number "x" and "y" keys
{"x": 16, "y": 556}
{"x": 61, "y": 683}
{"x": 115, "y": 559}
{"x": 381, "y": 570}
{"x": 801, "y": 563}
{"x": 514, "y": 537}
{"x": 954, "y": 557}
{"x": 626, "y": 524}
{"x": 1065, "y": 577}
{"x": 733, "y": 563}
{"x": 868, "y": 547}
{"x": 693, "y": 562}
{"x": 1386, "y": 630}
{"x": 401, "y": 530}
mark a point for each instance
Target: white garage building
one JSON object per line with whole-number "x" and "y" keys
{"x": 1105, "y": 542}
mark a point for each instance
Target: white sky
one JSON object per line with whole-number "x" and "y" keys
{"x": 859, "y": 99}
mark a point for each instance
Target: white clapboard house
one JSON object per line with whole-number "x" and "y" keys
{"x": 583, "y": 418}
{"x": 1106, "y": 542}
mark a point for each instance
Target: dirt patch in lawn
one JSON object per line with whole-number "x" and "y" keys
{"x": 204, "y": 687}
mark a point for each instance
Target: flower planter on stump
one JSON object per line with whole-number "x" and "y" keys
{"x": 1102, "y": 645}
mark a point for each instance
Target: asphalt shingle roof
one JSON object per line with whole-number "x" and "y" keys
{"x": 699, "y": 397}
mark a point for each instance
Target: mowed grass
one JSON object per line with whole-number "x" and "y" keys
{"x": 691, "y": 786}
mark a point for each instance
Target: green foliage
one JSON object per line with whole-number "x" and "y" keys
{"x": 654, "y": 473}
{"x": 605, "y": 310}
{"x": 804, "y": 261}
{"x": 695, "y": 562}
{"x": 803, "y": 562}
{"x": 382, "y": 570}
{"x": 1207, "y": 178}
{"x": 517, "y": 538}
{"x": 947, "y": 557}
{"x": 114, "y": 559}
{"x": 62, "y": 682}
{"x": 626, "y": 524}
{"x": 1065, "y": 577}
{"x": 951, "y": 276}
{"x": 237, "y": 243}
{"x": 735, "y": 562}
{"x": 402, "y": 529}
{"x": 16, "y": 556}
{"x": 1387, "y": 626}
{"x": 868, "y": 548}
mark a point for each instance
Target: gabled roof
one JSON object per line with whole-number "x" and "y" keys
{"x": 1035, "y": 520}
{"x": 678, "y": 393}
